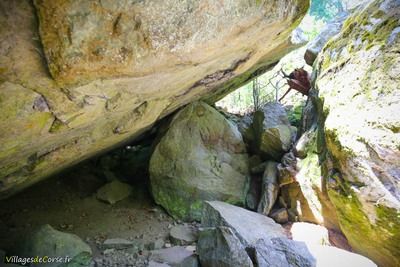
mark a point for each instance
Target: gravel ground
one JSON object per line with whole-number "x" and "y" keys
{"x": 68, "y": 203}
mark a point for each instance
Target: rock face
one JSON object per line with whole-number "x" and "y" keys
{"x": 272, "y": 131}
{"x": 357, "y": 79}
{"x": 283, "y": 252}
{"x": 246, "y": 224}
{"x": 280, "y": 215}
{"x": 220, "y": 247}
{"x": 201, "y": 157}
{"x": 316, "y": 45}
{"x": 234, "y": 228}
{"x": 270, "y": 188}
{"x": 301, "y": 183}
{"x": 302, "y": 186}
{"x": 52, "y": 243}
{"x": 232, "y": 234}
{"x": 91, "y": 75}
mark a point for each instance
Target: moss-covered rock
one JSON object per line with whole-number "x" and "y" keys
{"x": 273, "y": 134}
{"x": 58, "y": 249}
{"x": 307, "y": 197}
{"x": 269, "y": 188}
{"x": 201, "y": 157}
{"x": 294, "y": 114}
{"x": 357, "y": 81}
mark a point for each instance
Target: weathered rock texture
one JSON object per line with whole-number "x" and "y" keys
{"x": 201, "y": 157}
{"x": 283, "y": 252}
{"x": 220, "y": 247}
{"x": 248, "y": 226}
{"x": 358, "y": 76}
{"x": 302, "y": 185}
{"x": 79, "y": 77}
{"x": 272, "y": 132}
{"x": 47, "y": 241}
{"x": 269, "y": 187}
{"x": 316, "y": 45}
{"x": 264, "y": 241}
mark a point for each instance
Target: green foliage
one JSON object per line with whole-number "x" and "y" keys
{"x": 242, "y": 100}
{"x": 294, "y": 115}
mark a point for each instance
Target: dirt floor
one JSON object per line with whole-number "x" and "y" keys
{"x": 68, "y": 203}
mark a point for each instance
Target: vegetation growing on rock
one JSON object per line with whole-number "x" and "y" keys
{"x": 108, "y": 71}
{"x": 83, "y": 77}
{"x": 201, "y": 157}
{"x": 358, "y": 108}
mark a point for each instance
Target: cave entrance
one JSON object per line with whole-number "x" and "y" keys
{"x": 104, "y": 197}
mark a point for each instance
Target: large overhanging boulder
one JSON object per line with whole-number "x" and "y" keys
{"x": 358, "y": 77}
{"x": 79, "y": 77}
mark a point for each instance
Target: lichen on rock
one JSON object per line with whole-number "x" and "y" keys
{"x": 357, "y": 82}
{"x": 105, "y": 71}
{"x": 201, "y": 157}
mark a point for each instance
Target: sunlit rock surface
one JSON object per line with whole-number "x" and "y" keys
{"x": 358, "y": 75}
{"x": 80, "y": 77}
{"x": 248, "y": 226}
{"x": 272, "y": 131}
{"x": 315, "y": 46}
{"x": 304, "y": 186}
